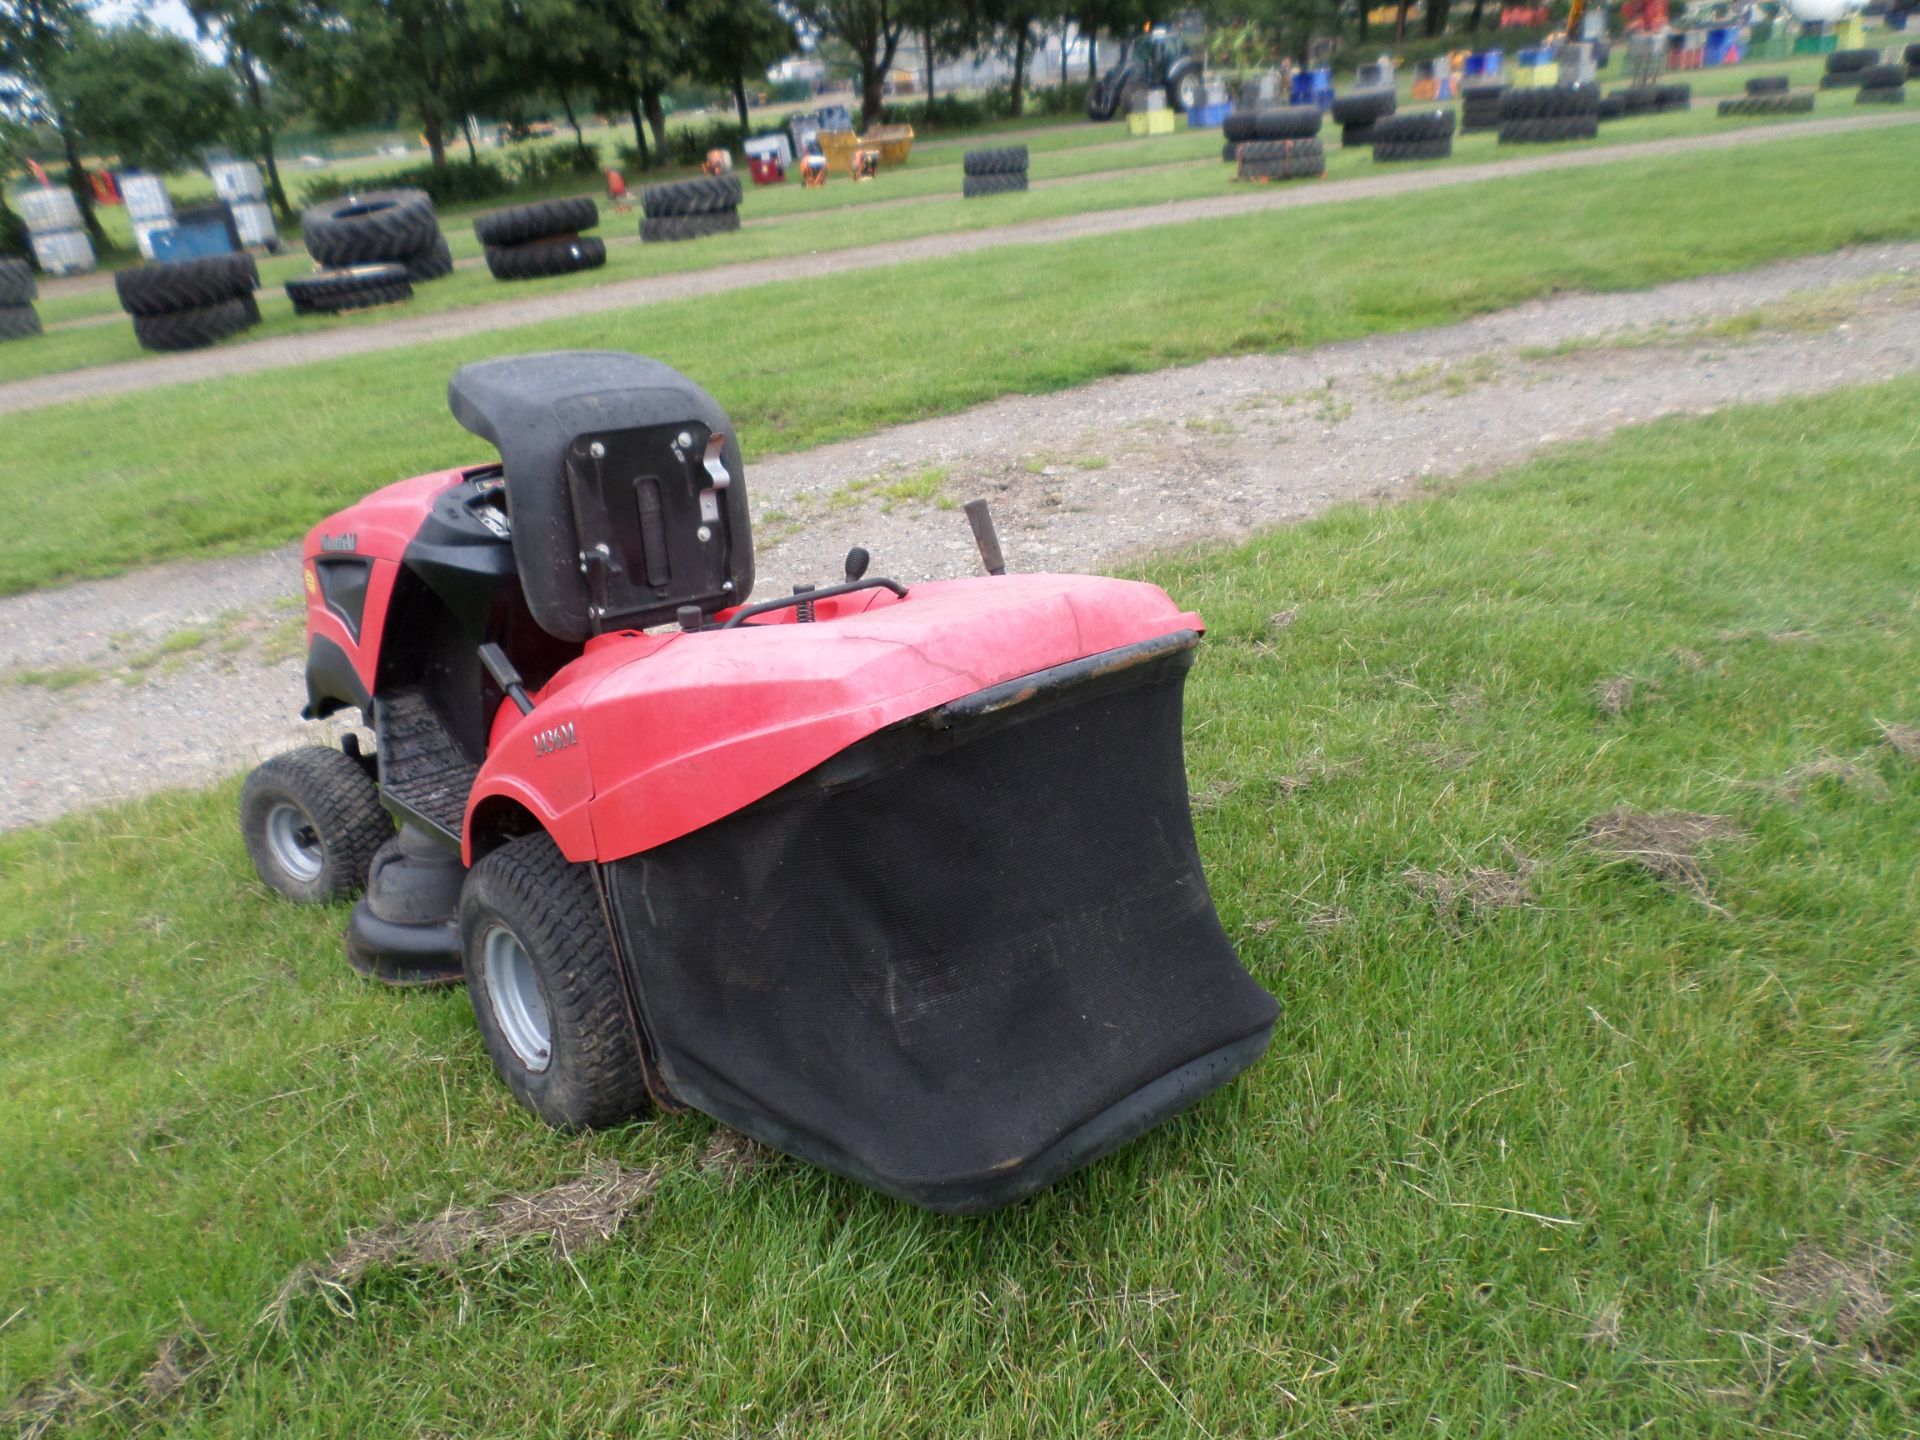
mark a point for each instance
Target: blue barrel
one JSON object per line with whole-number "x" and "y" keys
{"x": 1312, "y": 87}
{"x": 1719, "y": 41}
{"x": 1483, "y": 64}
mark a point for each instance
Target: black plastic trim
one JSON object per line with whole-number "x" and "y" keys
{"x": 332, "y": 683}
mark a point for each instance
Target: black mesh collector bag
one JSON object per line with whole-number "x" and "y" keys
{"x": 962, "y": 958}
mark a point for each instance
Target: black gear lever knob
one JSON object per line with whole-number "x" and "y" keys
{"x": 857, "y": 562}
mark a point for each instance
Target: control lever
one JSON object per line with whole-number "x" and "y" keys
{"x": 857, "y": 562}
{"x": 984, "y": 536}
{"x": 505, "y": 676}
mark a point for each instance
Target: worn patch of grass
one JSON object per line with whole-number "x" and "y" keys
{"x": 245, "y": 462}
{"x": 1560, "y": 1151}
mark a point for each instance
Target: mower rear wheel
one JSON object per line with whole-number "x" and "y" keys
{"x": 311, "y": 819}
{"x": 546, "y": 987}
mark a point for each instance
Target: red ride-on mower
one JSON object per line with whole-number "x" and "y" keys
{"x": 898, "y": 880}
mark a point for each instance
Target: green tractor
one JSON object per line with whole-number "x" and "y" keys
{"x": 1155, "y": 59}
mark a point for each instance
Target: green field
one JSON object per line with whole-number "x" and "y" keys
{"x": 1555, "y": 1138}
{"x": 239, "y": 464}
{"x": 1108, "y": 171}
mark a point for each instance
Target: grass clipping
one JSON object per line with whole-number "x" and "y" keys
{"x": 574, "y": 1216}
{"x": 1666, "y": 844}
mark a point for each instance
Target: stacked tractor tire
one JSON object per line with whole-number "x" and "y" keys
{"x": 1355, "y": 114}
{"x": 1544, "y": 114}
{"x": 1418, "y": 135}
{"x": 1282, "y": 143}
{"x": 531, "y": 242}
{"x": 371, "y": 250}
{"x": 1882, "y": 85}
{"x": 690, "y": 209}
{"x": 1845, "y": 68}
{"x": 1480, "y": 106}
{"x": 188, "y": 304}
{"x": 18, "y": 318}
{"x": 1767, "y": 95}
{"x": 1654, "y": 99}
{"x": 999, "y": 171}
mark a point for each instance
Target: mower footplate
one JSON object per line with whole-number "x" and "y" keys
{"x": 964, "y": 957}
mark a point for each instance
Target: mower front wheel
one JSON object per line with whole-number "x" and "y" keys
{"x": 311, "y": 819}
{"x": 546, "y": 987}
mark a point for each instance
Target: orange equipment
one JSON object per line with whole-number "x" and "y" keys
{"x": 617, "y": 191}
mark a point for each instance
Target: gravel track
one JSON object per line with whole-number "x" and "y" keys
{"x": 1081, "y": 479}
{"x": 289, "y": 350}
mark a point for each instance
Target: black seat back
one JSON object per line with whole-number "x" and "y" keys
{"x": 625, "y": 506}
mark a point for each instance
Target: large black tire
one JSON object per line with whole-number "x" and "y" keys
{"x": 17, "y": 285}
{"x": 1356, "y": 136}
{"x": 688, "y": 227}
{"x": 972, "y": 187}
{"x": 1551, "y": 102}
{"x": 1549, "y": 130}
{"x": 540, "y": 258}
{"x": 1102, "y": 100}
{"x": 196, "y": 329}
{"x": 1768, "y": 85}
{"x": 1482, "y": 114}
{"x": 1636, "y": 100}
{"x": 1883, "y": 77}
{"x": 1482, "y": 91}
{"x": 1004, "y": 160}
{"x": 546, "y": 987}
{"x": 1912, "y": 56}
{"x": 521, "y": 223}
{"x": 1841, "y": 62}
{"x": 1363, "y": 107}
{"x": 1281, "y": 159}
{"x": 185, "y": 284}
{"x": 1672, "y": 97}
{"x": 1841, "y": 80}
{"x": 1285, "y": 122}
{"x": 707, "y": 195}
{"x": 311, "y": 820}
{"x": 364, "y": 286}
{"x": 380, "y": 227}
{"x": 1390, "y": 151}
{"x": 1882, "y": 95}
{"x": 1186, "y": 87}
{"x": 433, "y": 263}
{"x": 18, "y": 322}
{"x": 1413, "y": 126}
{"x": 1612, "y": 107}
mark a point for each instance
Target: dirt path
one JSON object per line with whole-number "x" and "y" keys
{"x": 185, "y": 673}
{"x": 289, "y": 350}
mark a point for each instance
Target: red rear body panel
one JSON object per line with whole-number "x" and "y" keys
{"x": 648, "y": 737}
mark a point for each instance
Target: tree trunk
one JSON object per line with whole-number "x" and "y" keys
{"x": 436, "y": 138}
{"x": 1479, "y": 8}
{"x": 740, "y": 96}
{"x": 1436, "y": 17}
{"x": 1019, "y": 70}
{"x": 1093, "y": 55}
{"x": 926, "y": 43}
{"x": 1362, "y": 33}
{"x": 640, "y": 129}
{"x": 579, "y": 140}
{"x": 466, "y": 128}
{"x": 263, "y": 131}
{"x": 873, "y": 93}
{"x": 82, "y": 190}
{"x": 656, "y": 118}
{"x": 1400, "y": 21}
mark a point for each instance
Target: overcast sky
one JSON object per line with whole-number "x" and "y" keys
{"x": 168, "y": 14}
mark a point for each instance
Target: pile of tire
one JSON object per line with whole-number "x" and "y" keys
{"x": 1300, "y": 159}
{"x": 1654, "y": 99}
{"x": 370, "y": 250}
{"x": 18, "y": 318}
{"x": 690, "y": 209}
{"x": 1882, "y": 85}
{"x": 1768, "y": 85}
{"x": 999, "y": 171}
{"x": 189, "y": 304}
{"x": 1419, "y": 135}
{"x": 1845, "y": 67}
{"x": 1282, "y": 122}
{"x": 530, "y": 242}
{"x": 1355, "y": 114}
{"x": 1612, "y": 107}
{"x": 1912, "y": 56}
{"x": 1543, "y": 114}
{"x": 1480, "y": 106}
{"x": 1768, "y": 102}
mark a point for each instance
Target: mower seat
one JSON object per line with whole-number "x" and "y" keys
{"x": 624, "y": 483}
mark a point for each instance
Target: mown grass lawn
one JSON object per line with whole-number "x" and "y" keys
{"x": 1108, "y": 171}
{"x": 1546, "y": 1145}
{"x": 244, "y": 462}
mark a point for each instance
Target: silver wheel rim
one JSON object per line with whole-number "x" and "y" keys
{"x": 513, "y": 990}
{"x": 295, "y": 845}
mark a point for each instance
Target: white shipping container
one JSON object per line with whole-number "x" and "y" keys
{"x": 146, "y": 197}
{"x": 63, "y": 252}
{"x": 255, "y": 223}
{"x": 48, "y": 209}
